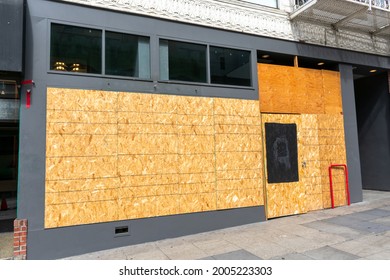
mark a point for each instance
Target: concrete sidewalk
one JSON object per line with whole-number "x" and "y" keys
{"x": 359, "y": 231}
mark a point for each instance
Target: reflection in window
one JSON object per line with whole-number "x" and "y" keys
{"x": 182, "y": 61}
{"x": 75, "y": 49}
{"x": 230, "y": 66}
{"x": 127, "y": 55}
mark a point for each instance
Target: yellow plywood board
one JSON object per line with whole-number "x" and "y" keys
{"x": 237, "y": 184}
{"x": 81, "y": 185}
{"x": 236, "y": 107}
{"x": 238, "y": 160}
{"x": 256, "y": 173}
{"x": 148, "y": 180}
{"x": 190, "y": 203}
{"x": 285, "y": 89}
{"x": 59, "y": 168}
{"x": 196, "y": 163}
{"x": 332, "y": 92}
{"x": 81, "y": 100}
{"x": 58, "y": 145}
{"x": 85, "y": 117}
{"x": 197, "y": 188}
{"x": 147, "y": 164}
{"x": 81, "y": 129}
{"x": 195, "y": 144}
{"x": 145, "y": 118}
{"x": 150, "y": 144}
{"x": 238, "y": 142}
{"x": 146, "y": 155}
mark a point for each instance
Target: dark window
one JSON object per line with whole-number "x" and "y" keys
{"x": 127, "y": 55}
{"x": 75, "y": 49}
{"x": 230, "y": 66}
{"x": 183, "y": 61}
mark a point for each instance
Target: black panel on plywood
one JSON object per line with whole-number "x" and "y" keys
{"x": 282, "y": 152}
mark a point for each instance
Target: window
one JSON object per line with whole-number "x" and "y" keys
{"x": 270, "y": 3}
{"x": 182, "y": 61}
{"x": 127, "y": 55}
{"x": 230, "y": 66}
{"x": 75, "y": 49}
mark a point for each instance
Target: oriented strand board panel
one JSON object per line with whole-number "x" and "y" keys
{"x": 286, "y": 89}
{"x": 332, "y": 151}
{"x": 285, "y": 198}
{"x": 238, "y": 151}
{"x": 118, "y": 155}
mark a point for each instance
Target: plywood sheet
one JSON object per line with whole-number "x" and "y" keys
{"x": 81, "y": 167}
{"x": 196, "y": 163}
{"x": 60, "y": 145}
{"x": 195, "y": 144}
{"x": 190, "y": 203}
{"x": 148, "y": 180}
{"x": 146, "y": 155}
{"x": 147, "y": 144}
{"x": 285, "y": 89}
{"x": 81, "y": 129}
{"x": 81, "y": 100}
{"x": 238, "y": 160}
{"x": 138, "y": 164}
{"x": 332, "y": 92}
{"x": 81, "y": 184}
{"x": 236, "y": 107}
{"x": 238, "y": 142}
{"x": 85, "y": 117}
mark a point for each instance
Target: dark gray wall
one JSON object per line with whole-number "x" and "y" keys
{"x": 373, "y": 115}
{"x": 351, "y": 133}
{"x": 11, "y": 30}
{"x": 59, "y": 242}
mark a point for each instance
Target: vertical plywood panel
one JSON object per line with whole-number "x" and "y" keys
{"x": 285, "y": 198}
{"x": 238, "y": 153}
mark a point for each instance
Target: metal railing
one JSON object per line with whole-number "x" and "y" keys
{"x": 383, "y": 4}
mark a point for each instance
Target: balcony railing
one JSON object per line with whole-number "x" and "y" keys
{"x": 367, "y": 16}
{"x": 380, "y": 4}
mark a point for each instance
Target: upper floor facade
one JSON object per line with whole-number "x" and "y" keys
{"x": 359, "y": 25}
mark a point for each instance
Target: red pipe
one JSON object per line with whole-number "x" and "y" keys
{"x": 346, "y": 183}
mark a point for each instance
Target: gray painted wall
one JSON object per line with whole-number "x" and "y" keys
{"x": 11, "y": 30}
{"x": 373, "y": 108}
{"x": 60, "y": 242}
{"x": 351, "y": 133}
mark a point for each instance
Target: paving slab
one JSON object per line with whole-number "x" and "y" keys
{"x": 346, "y": 232}
{"x": 383, "y": 255}
{"x": 365, "y": 246}
{"x": 216, "y": 246}
{"x": 330, "y": 253}
{"x": 293, "y": 256}
{"x": 234, "y": 255}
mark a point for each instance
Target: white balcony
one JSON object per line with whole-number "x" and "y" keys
{"x": 371, "y": 16}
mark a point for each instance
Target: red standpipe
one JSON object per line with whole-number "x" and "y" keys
{"x": 346, "y": 182}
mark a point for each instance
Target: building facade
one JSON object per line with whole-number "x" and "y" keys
{"x": 142, "y": 120}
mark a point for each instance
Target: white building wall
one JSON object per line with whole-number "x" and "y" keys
{"x": 243, "y": 16}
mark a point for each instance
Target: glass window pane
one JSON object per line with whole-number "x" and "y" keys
{"x": 75, "y": 49}
{"x": 127, "y": 55}
{"x": 230, "y": 66}
{"x": 182, "y": 61}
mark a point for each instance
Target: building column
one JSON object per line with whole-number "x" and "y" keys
{"x": 351, "y": 132}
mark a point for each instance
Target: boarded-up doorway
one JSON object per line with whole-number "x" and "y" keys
{"x": 301, "y": 112}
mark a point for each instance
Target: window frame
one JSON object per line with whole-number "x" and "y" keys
{"x": 103, "y": 54}
{"x": 208, "y": 66}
